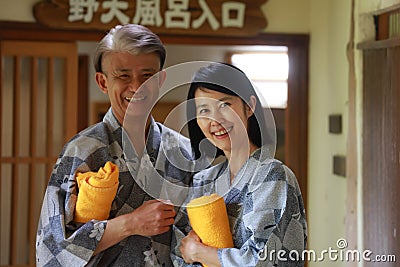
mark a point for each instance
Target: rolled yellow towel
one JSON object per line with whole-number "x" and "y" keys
{"x": 209, "y": 219}
{"x": 97, "y": 191}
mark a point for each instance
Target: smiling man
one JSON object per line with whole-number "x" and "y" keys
{"x": 137, "y": 231}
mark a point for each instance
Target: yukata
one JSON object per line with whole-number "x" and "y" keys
{"x": 62, "y": 242}
{"x": 265, "y": 210}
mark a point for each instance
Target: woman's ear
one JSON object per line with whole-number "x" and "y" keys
{"x": 251, "y": 106}
{"x": 101, "y": 81}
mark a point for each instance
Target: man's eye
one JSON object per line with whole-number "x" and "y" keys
{"x": 147, "y": 75}
{"x": 123, "y": 76}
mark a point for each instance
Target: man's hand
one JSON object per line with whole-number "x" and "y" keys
{"x": 152, "y": 218}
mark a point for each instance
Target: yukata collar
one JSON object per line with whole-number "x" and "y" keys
{"x": 153, "y": 139}
{"x": 258, "y": 155}
{"x": 111, "y": 120}
{"x": 262, "y": 154}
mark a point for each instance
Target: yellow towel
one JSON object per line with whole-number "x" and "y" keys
{"x": 96, "y": 193}
{"x": 209, "y": 219}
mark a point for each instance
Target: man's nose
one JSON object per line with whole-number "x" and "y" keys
{"x": 134, "y": 85}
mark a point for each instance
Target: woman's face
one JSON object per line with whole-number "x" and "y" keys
{"x": 223, "y": 119}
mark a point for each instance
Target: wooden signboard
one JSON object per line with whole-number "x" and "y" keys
{"x": 185, "y": 17}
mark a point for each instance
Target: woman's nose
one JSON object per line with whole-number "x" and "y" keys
{"x": 216, "y": 118}
{"x": 214, "y": 122}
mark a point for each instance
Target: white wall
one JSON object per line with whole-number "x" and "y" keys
{"x": 17, "y": 10}
{"x": 329, "y": 23}
{"x": 287, "y": 16}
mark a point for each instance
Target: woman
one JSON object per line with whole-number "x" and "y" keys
{"x": 262, "y": 196}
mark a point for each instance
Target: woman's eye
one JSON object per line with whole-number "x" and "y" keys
{"x": 224, "y": 104}
{"x": 202, "y": 111}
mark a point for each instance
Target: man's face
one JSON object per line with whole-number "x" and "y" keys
{"x": 123, "y": 74}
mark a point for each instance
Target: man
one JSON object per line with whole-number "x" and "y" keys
{"x": 137, "y": 232}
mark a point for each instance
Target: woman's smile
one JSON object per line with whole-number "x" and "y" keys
{"x": 222, "y": 133}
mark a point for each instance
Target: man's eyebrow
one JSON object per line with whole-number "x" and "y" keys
{"x": 143, "y": 70}
{"x": 149, "y": 69}
{"x": 222, "y": 99}
{"x": 122, "y": 70}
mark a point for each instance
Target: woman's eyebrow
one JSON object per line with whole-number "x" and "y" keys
{"x": 201, "y": 106}
{"x": 222, "y": 99}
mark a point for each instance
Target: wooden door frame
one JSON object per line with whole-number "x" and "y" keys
{"x": 381, "y": 138}
{"x": 296, "y": 137}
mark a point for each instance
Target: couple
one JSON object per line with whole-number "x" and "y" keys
{"x": 262, "y": 196}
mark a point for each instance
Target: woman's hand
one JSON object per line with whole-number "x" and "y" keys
{"x": 190, "y": 245}
{"x": 193, "y": 250}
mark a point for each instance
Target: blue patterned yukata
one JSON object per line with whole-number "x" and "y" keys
{"x": 62, "y": 242}
{"x": 265, "y": 210}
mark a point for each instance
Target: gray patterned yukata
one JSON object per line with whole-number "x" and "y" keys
{"x": 265, "y": 210}
{"x": 62, "y": 242}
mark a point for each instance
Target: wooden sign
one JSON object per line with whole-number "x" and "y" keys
{"x": 186, "y": 17}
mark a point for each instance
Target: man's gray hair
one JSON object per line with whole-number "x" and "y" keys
{"x": 132, "y": 38}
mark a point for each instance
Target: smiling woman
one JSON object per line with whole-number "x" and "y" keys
{"x": 262, "y": 194}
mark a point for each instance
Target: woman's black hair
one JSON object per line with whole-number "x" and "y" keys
{"x": 227, "y": 79}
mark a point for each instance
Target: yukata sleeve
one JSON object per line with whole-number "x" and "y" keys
{"x": 271, "y": 219}
{"x": 60, "y": 241}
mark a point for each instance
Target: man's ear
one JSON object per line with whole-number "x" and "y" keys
{"x": 251, "y": 107}
{"x": 162, "y": 75}
{"x": 101, "y": 81}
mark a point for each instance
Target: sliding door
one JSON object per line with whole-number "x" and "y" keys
{"x": 38, "y": 113}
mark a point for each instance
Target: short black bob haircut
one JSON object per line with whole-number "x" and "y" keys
{"x": 227, "y": 79}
